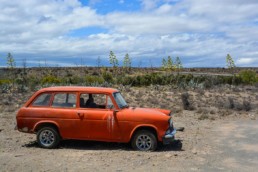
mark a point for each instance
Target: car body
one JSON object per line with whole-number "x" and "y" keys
{"x": 70, "y": 112}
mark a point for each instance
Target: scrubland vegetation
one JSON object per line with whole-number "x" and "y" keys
{"x": 205, "y": 91}
{"x": 32, "y": 79}
{"x": 208, "y": 95}
{"x": 171, "y": 74}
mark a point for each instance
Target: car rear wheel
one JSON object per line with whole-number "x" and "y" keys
{"x": 144, "y": 140}
{"x": 48, "y": 137}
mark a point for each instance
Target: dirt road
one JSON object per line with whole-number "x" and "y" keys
{"x": 236, "y": 147}
{"x": 208, "y": 145}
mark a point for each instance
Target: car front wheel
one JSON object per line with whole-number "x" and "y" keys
{"x": 144, "y": 140}
{"x": 48, "y": 137}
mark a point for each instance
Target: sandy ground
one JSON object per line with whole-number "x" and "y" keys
{"x": 228, "y": 144}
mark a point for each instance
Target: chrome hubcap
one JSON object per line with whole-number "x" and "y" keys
{"x": 143, "y": 142}
{"x": 46, "y": 137}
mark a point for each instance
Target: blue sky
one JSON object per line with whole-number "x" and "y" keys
{"x": 73, "y": 32}
{"x": 107, "y": 6}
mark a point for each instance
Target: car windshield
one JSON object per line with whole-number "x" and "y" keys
{"x": 120, "y": 100}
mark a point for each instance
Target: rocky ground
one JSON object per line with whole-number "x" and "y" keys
{"x": 220, "y": 135}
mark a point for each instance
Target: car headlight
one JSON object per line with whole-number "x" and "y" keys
{"x": 171, "y": 127}
{"x": 170, "y": 122}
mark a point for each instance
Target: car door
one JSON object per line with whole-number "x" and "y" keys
{"x": 97, "y": 116}
{"x": 65, "y": 112}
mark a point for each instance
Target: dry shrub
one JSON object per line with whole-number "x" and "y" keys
{"x": 220, "y": 102}
{"x": 186, "y": 103}
{"x": 231, "y": 103}
{"x": 163, "y": 106}
{"x": 185, "y": 100}
{"x": 246, "y": 105}
{"x": 225, "y": 112}
{"x": 202, "y": 110}
{"x": 203, "y": 116}
{"x": 212, "y": 111}
{"x": 238, "y": 106}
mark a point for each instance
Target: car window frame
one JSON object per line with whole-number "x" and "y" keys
{"x": 106, "y": 94}
{"x": 113, "y": 95}
{"x": 37, "y": 96}
{"x": 67, "y": 92}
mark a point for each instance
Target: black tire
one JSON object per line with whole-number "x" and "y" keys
{"x": 48, "y": 137}
{"x": 144, "y": 140}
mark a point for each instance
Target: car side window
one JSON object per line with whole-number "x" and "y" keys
{"x": 42, "y": 100}
{"x": 64, "y": 100}
{"x": 89, "y": 100}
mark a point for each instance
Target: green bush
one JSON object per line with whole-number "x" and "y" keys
{"x": 188, "y": 77}
{"x": 107, "y": 76}
{"x": 125, "y": 80}
{"x": 94, "y": 79}
{"x": 72, "y": 80}
{"x": 159, "y": 79}
{"x": 33, "y": 81}
{"x": 50, "y": 80}
{"x": 5, "y": 81}
{"x": 20, "y": 81}
{"x": 248, "y": 77}
{"x": 148, "y": 79}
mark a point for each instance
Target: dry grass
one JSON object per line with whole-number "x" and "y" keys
{"x": 206, "y": 104}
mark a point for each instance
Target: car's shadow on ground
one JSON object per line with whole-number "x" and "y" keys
{"x": 95, "y": 145}
{"x": 176, "y": 146}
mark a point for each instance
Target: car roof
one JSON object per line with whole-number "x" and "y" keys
{"x": 80, "y": 88}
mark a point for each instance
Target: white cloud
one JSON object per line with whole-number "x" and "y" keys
{"x": 164, "y": 9}
{"x": 36, "y": 23}
{"x": 246, "y": 61}
{"x": 149, "y": 4}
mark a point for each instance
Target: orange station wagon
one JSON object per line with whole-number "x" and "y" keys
{"x": 93, "y": 113}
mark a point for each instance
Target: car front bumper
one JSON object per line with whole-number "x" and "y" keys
{"x": 169, "y": 137}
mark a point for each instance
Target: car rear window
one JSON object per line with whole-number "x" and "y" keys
{"x": 64, "y": 100}
{"x": 42, "y": 100}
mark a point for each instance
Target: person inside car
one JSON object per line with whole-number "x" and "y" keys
{"x": 90, "y": 102}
